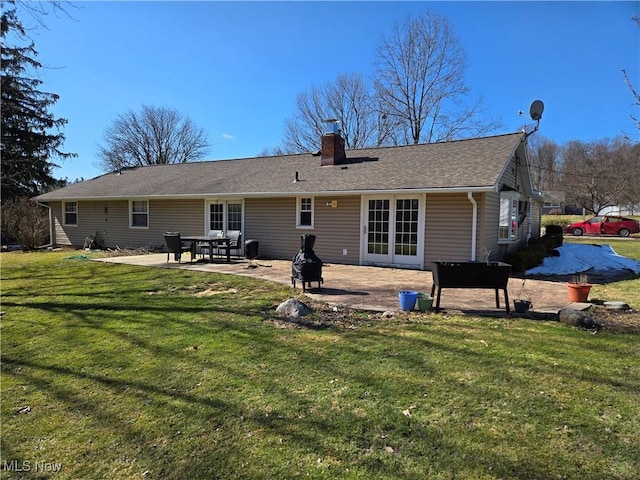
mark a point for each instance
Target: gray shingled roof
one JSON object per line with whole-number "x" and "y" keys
{"x": 474, "y": 164}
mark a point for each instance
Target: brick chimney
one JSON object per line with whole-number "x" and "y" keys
{"x": 332, "y": 149}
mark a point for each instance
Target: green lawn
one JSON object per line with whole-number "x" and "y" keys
{"x": 628, "y": 290}
{"x": 120, "y": 372}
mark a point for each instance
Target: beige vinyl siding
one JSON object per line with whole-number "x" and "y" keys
{"x": 491, "y": 216}
{"x": 109, "y": 220}
{"x": 483, "y": 248}
{"x": 511, "y": 174}
{"x": 536, "y": 219}
{"x": 60, "y": 236}
{"x": 448, "y": 228}
{"x": 272, "y": 222}
{"x": 338, "y": 229}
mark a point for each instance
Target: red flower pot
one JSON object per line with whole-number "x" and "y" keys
{"x": 578, "y": 292}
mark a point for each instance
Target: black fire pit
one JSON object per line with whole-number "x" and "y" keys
{"x": 306, "y": 266}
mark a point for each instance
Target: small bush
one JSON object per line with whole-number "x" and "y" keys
{"x": 553, "y": 236}
{"x": 554, "y": 230}
{"x": 533, "y": 254}
{"x": 24, "y": 222}
{"x": 560, "y": 220}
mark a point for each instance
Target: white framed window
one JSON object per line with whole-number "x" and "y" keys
{"x": 304, "y": 212}
{"x": 216, "y": 217}
{"x": 70, "y": 213}
{"x": 234, "y": 216}
{"x": 508, "y": 221}
{"x": 138, "y": 214}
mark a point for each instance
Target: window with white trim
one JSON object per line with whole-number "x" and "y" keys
{"x": 508, "y": 222}
{"x": 139, "y": 214}
{"x": 71, "y": 213}
{"x": 304, "y": 212}
{"x": 216, "y": 217}
{"x": 234, "y": 216}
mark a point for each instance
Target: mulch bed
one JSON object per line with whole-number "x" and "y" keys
{"x": 616, "y": 321}
{"x": 325, "y": 316}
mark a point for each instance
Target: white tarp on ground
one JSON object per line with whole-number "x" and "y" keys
{"x": 577, "y": 258}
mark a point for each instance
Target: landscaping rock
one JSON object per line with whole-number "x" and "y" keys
{"x": 293, "y": 308}
{"x": 577, "y": 318}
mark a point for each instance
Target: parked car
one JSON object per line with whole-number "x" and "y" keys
{"x": 604, "y": 225}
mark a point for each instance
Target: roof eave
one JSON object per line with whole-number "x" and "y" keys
{"x": 396, "y": 191}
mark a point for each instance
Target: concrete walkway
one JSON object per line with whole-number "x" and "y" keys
{"x": 376, "y": 288}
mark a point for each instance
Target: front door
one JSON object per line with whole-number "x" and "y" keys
{"x": 393, "y": 227}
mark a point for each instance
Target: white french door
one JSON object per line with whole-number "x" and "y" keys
{"x": 393, "y": 230}
{"x": 224, "y": 216}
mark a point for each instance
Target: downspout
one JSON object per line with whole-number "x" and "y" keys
{"x": 474, "y": 225}
{"x": 50, "y": 222}
{"x": 530, "y": 220}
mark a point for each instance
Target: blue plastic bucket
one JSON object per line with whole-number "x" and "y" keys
{"x": 407, "y": 300}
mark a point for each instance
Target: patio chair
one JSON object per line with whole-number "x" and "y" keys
{"x": 235, "y": 241}
{"x": 176, "y": 246}
{"x": 203, "y": 247}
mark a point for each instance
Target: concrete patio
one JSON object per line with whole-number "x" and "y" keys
{"x": 375, "y": 288}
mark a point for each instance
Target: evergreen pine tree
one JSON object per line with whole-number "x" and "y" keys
{"x": 28, "y": 143}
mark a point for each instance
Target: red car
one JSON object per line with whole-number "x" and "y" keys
{"x": 604, "y": 225}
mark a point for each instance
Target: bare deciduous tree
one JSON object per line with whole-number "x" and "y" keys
{"x": 628, "y": 156}
{"x": 636, "y": 97}
{"x": 24, "y": 222}
{"x": 420, "y": 83}
{"x": 154, "y": 135}
{"x": 348, "y": 100}
{"x": 601, "y": 174}
{"x": 635, "y": 94}
{"x": 544, "y": 157}
{"x": 418, "y": 95}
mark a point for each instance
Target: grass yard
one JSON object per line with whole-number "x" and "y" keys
{"x": 120, "y": 372}
{"x": 628, "y": 290}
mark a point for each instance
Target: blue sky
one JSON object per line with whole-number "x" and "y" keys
{"x": 235, "y": 68}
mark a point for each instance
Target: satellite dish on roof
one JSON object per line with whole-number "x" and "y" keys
{"x": 535, "y": 114}
{"x": 536, "y": 109}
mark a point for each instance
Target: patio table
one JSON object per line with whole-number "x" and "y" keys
{"x": 225, "y": 241}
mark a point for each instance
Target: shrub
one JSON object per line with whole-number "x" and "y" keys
{"x": 560, "y": 220}
{"x": 553, "y": 236}
{"x": 24, "y": 222}
{"x": 533, "y": 254}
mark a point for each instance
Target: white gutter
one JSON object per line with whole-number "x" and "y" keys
{"x": 474, "y": 225}
{"x": 530, "y": 220}
{"x": 318, "y": 193}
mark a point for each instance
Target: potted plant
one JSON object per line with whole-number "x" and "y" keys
{"x": 425, "y": 302}
{"x": 522, "y": 304}
{"x": 579, "y": 288}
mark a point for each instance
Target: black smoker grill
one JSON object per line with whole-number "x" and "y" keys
{"x": 306, "y": 266}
